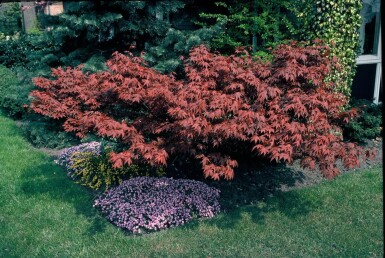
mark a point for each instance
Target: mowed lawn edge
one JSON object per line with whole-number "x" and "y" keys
{"x": 44, "y": 214}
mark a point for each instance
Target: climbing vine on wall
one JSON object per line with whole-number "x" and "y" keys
{"x": 337, "y": 23}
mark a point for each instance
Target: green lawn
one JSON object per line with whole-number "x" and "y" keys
{"x": 44, "y": 214}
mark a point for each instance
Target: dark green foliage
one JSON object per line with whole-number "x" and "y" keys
{"x": 10, "y": 18}
{"x": 368, "y": 125}
{"x": 15, "y": 86}
{"x": 43, "y": 132}
{"x": 168, "y": 55}
{"x": 14, "y": 91}
{"x": 90, "y": 31}
{"x": 95, "y": 171}
{"x": 251, "y": 23}
{"x": 13, "y": 53}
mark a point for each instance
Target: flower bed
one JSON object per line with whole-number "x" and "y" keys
{"x": 145, "y": 204}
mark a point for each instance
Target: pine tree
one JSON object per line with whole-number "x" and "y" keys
{"x": 89, "y": 31}
{"x": 167, "y": 53}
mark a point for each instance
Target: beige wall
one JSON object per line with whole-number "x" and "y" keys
{"x": 54, "y": 9}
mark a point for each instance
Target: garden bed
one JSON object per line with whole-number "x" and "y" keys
{"x": 286, "y": 178}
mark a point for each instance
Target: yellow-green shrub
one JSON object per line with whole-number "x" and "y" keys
{"x": 95, "y": 171}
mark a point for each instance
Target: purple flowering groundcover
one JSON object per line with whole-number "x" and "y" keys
{"x": 146, "y": 204}
{"x": 66, "y": 156}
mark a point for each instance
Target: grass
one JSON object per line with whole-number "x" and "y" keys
{"x": 44, "y": 214}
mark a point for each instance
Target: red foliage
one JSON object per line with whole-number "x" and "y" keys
{"x": 283, "y": 109}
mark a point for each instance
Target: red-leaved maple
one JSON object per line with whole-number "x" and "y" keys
{"x": 283, "y": 109}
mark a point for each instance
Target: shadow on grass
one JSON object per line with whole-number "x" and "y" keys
{"x": 257, "y": 190}
{"x": 289, "y": 204}
{"x": 249, "y": 192}
{"x": 49, "y": 179}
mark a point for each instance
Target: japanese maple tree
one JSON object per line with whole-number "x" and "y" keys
{"x": 282, "y": 110}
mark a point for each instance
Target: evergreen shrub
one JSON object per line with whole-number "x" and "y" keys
{"x": 13, "y": 53}
{"x": 146, "y": 204}
{"x": 10, "y": 18}
{"x": 15, "y": 87}
{"x": 368, "y": 125}
{"x": 13, "y": 92}
{"x": 45, "y": 132}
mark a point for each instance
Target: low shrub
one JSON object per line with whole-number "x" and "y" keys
{"x": 88, "y": 164}
{"x": 65, "y": 157}
{"x": 146, "y": 204}
{"x": 45, "y": 132}
{"x": 366, "y": 126}
{"x": 13, "y": 53}
{"x": 15, "y": 86}
{"x": 13, "y": 92}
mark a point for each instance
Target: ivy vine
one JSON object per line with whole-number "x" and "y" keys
{"x": 337, "y": 23}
